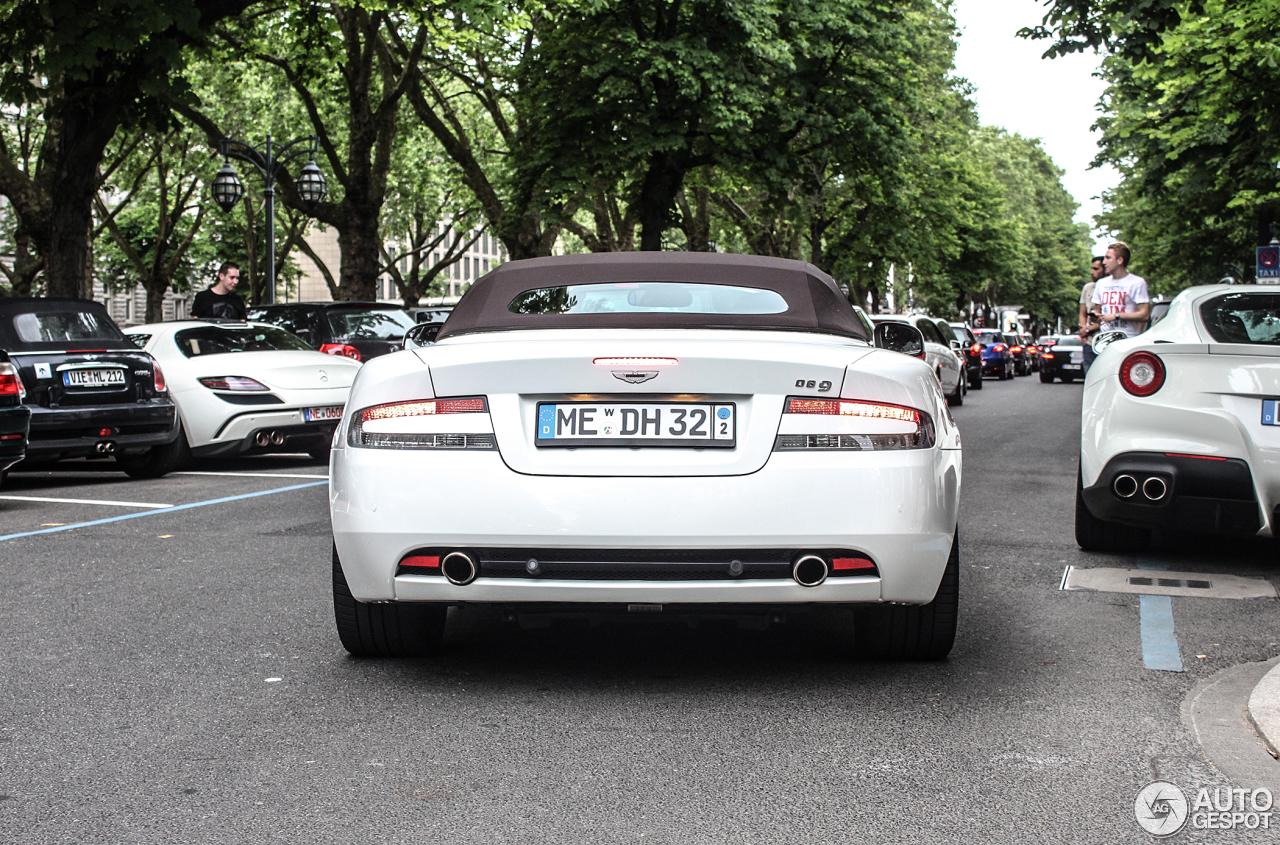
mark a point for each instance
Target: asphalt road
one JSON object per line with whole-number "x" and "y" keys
{"x": 175, "y": 677}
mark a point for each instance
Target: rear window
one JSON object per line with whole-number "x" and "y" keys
{"x": 1069, "y": 341}
{"x": 390, "y": 324}
{"x": 648, "y": 298}
{"x": 988, "y": 337}
{"x": 63, "y": 326}
{"x": 215, "y": 340}
{"x": 1243, "y": 318}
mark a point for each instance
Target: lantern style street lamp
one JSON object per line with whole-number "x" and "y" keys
{"x": 227, "y": 188}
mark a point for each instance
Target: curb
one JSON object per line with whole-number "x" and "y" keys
{"x": 1264, "y": 710}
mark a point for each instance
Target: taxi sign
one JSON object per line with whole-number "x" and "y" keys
{"x": 1269, "y": 265}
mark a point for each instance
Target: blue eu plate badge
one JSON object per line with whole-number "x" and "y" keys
{"x": 1269, "y": 411}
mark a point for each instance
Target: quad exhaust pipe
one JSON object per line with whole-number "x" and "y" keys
{"x": 268, "y": 438}
{"x": 1154, "y": 488}
{"x": 459, "y": 568}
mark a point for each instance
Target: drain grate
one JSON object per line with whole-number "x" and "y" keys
{"x": 1138, "y": 581}
{"x": 1146, "y": 582}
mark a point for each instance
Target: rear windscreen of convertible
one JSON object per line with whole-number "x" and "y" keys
{"x": 648, "y": 298}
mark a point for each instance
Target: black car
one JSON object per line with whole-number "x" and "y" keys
{"x": 91, "y": 391}
{"x": 972, "y": 350}
{"x": 1063, "y": 360}
{"x": 1021, "y": 360}
{"x": 358, "y": 330}
{"x": 15, "y": 418}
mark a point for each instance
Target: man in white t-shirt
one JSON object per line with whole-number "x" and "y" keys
{"x": 1121, "y": 296}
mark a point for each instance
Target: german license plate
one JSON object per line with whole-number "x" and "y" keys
{"x": 326, "y": 412}
{"x": 1071, "y": 366}
{"x": 103, "y": 377}
{"x": 697, "y": 424}
{"x": 1270, "y": 411}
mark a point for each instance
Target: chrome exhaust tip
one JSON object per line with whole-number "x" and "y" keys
{"x": 262, "y": 438}
{"x": 1125, "y": 486}
{"x": 105, "y": 447}
{"x": 1154, "y": 488}
{"x": 459, "y": 568}
{"x": 809, "y": 570}
{"x": 277, "y": 438}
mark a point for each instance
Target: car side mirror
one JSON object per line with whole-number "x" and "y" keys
{"x": 423, "y": 334}
{"x": 899, "y": 337}
{"x": 1104, "y": 339}
{"x": 955, "y": 346}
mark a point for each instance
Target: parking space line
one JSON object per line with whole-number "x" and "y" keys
{"x": 1155, "y": 622}
{"x": 85, "y": 501}
{"x": 251, "y": 474}
{"x": 163, "y": 510}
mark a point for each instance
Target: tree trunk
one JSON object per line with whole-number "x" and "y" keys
{"x": 657, "y": 197}
{"x": 83, "y": 133}
{"x": 156, "y": 286}
{"x": 359, "y": 244}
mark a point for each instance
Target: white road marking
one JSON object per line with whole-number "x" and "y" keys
{"x": 252, "y": 474}
{"x": 86, "y": 501}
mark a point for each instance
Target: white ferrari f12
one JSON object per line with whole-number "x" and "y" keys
{"x": 1180, "y": 426}
{"x": 684, "y": 433}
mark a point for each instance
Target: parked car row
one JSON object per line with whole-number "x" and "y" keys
{"x": 73, "y": 384}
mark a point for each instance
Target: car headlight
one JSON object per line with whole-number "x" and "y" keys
{"x": 454, "y": 423}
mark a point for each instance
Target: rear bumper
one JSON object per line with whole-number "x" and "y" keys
{"x": 76, "y": 431}
{"x": 14, "y": 420}
{"x": 899, "y": 509}
{"x": 1211, "y": 496}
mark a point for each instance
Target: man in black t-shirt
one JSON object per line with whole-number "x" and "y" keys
{"x": 221, "y": 300}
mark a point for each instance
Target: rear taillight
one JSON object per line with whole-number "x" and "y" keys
{"x": 829, "y": 424}
{"x": 1142, "y": 374}
{"x": 161, "y": 387}
{"x": 346, "y": 350}
{"x": 235, "y": 384}
{"x": 1000, "y": 347}
{"x": 11, "y": 382}
{"x": 635, "y": 362}
{"x": 1015, "y": 349}
{"x": 455, "y": 423}
{"x": 976, "y": 349}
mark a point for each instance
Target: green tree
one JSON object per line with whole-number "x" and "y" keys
{"x": 90, "y": 67}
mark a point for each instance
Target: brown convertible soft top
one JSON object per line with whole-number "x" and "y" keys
{"x": 814, "y": 303}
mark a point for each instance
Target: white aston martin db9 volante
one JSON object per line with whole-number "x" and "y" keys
{"x": 681, "y": 433}
{"x": 1180, "y": 424}
{"x": 247, "y": 388}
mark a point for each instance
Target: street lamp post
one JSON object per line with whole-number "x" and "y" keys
{"x": 228, "y": 189}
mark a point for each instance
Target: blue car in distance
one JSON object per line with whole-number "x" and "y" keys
{"x": 997, "y": 359}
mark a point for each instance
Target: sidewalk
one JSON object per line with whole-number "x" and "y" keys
{"x": 1264, "y": 709}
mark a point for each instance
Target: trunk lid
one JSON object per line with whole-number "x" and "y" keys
{"x": 750, "y": 372}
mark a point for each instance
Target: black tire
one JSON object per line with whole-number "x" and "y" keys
{"x": 921, "y": 632}
{"x": 1046, "y": 377}
{"x": 1096, "y": 535}
{"x": 1068, "y": 379}
{"x": 975, "y": 382}
{"x": 158, "y": 461}
{"x": 957, "y": 398}
{"x": 389, "y": 629}
{"x": 319, "y": 455}
{"x": 1005, "y": 375}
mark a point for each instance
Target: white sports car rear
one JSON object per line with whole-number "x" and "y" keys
{"x": 1180, "y": 424}
{"x": 682, "y": 433}
{"x": 248, "y": 388}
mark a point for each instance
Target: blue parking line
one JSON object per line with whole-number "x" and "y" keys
{"x": 1159, "y": 642}
{"x": 162, "y": 510}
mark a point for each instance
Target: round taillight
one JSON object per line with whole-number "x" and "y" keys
{"x": 1142, "y": 373}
